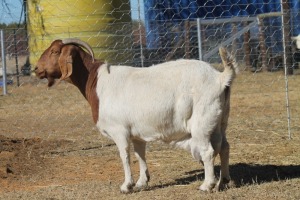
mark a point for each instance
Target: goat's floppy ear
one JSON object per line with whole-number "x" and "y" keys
{"x": 65, "y": 62}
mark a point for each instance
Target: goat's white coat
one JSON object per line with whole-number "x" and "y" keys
{"x": 157, "y": 103}
{"x": 297, "y": 39}
{"x": 178, "y": 102}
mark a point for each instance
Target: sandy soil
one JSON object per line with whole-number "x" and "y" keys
{"x": 50, "y": 148}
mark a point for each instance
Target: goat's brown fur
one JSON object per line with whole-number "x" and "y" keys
{"x": 71, "y": 63}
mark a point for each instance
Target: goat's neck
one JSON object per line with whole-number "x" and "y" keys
{"x": 84, "y": 77}
{"x": 83, "y": 68}
{"x": 79, "y": 75}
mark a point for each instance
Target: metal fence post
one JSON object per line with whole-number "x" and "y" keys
{"x": 199, "y": 36}
{"x": 3, "y": 63}
{"x": 140, "y": 34}
{"x": 288, "y": 70}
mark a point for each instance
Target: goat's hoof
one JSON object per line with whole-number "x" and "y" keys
{"x": 223, "y": 184}
{"x": 207, "y": 187}
{"x": 126, "y": 188}
{"x": 140, "y": 187}
{"x": 141, "y": 184}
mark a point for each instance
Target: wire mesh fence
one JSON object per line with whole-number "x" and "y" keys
{"x": 265, "y": 99}
{"x": 142, "y": 34}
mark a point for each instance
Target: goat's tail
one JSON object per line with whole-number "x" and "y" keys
{"x": 230, "y": 67}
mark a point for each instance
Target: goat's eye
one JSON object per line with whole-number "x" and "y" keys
{"x": 54, "y": 51}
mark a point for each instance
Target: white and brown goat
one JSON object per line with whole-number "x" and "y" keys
{"x": 184, "y": 103}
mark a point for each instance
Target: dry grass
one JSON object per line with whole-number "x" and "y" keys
{"x": 51, "y": 150}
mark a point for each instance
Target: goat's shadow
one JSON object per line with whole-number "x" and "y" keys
{"x": 243, "y": 174}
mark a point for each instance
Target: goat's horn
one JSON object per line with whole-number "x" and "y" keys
{"x": 80, "y": 43}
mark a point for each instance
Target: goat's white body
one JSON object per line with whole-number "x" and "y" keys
{"x": 160, "y": 102}
{"x": 178, "y": 102}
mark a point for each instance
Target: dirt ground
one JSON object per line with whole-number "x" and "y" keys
{"x": 50, "y": 148}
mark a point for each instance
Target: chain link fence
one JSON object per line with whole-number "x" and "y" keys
{"x": 143, "y": 33}
{"x": 49, "y": 145}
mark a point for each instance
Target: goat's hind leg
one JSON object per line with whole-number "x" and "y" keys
{"x": 140, "y": 151}
{"x": 203, "y": 151}
{"x": 224, "y": 173}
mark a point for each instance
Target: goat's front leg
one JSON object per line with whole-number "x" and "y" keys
{"x": 122, "y": 143}
{"x": 140, "y": 150}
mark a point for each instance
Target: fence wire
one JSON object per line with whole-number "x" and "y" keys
{"x": 142, "y": 34}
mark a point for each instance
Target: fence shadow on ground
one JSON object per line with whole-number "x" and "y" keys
{"x": 243, "y": 174}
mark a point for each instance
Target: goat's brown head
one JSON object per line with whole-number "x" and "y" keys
{"x": 56, "y": 62}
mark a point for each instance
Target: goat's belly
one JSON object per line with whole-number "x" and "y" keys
{"x": 166, "y": 121}
{"x": 144, "y": 131}
{"x": 166, "y": 134}
{"x": 179, "y": 139}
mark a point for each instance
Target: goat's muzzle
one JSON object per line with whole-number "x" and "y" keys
{"x": 39, "y": 73}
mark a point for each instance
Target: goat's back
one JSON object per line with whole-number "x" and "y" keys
{"x": 161, "y": 83}
{"x": 170, "y": 74}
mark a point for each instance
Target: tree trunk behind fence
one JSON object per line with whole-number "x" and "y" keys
{"x": 262, "y": 44}
{"x": 247, "y": 49}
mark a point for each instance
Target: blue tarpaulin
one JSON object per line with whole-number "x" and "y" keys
{"x": 158, "y": 12}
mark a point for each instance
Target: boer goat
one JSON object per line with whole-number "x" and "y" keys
{"x": 184, "y": 103}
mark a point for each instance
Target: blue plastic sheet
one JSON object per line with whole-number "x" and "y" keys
{"x": 157, "y": 12}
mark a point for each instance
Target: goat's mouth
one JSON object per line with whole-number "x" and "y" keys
{"x": 43, "y": 74}
{"x": 51, "y": 80}
{"x": 40, "y": 73}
